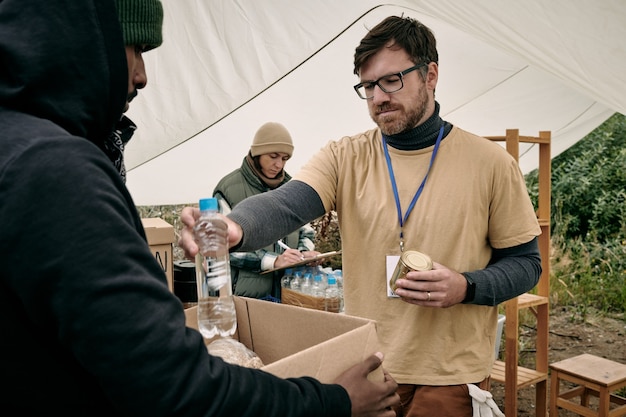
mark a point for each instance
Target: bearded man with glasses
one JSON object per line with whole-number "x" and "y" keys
{"x": 416, "y": 182}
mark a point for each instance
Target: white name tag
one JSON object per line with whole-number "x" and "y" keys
{"x": 392, "y": 261}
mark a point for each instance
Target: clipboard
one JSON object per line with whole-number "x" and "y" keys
{"x": 305, "y": 261}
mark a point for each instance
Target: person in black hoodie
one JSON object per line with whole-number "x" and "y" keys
{"x": 88, "y": 325}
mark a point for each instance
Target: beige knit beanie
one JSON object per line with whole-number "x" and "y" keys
{"x": 271, "y": 137}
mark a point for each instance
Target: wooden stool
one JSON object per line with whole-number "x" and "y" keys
{"x": 594, "y": 376}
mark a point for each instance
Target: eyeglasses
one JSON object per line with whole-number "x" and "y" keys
{"x": 389, "y": 83}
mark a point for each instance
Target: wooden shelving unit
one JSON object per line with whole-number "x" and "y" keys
{"x": 508, "y": 372}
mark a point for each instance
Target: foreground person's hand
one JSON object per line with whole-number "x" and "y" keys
{"x": 369, "y": 399}
{"x": 188, "y": 217}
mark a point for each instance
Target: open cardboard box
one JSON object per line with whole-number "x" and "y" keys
{"x": 293, "y": 341}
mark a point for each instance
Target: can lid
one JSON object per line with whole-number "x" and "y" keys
{"x": 417, "y": 261}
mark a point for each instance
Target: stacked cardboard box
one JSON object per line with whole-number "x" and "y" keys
{"x": 161, "y": 236}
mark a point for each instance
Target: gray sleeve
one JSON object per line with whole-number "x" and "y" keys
{"x": 511, "y": 272}
{"x": 269, "y": 216}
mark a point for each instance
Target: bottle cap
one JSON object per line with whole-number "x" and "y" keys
{"x": 208, "y": 204}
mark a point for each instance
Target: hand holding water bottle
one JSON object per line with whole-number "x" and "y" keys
{"x": 216, "y": 307}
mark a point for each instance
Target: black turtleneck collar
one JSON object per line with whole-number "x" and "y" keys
{"x": 421, "y": 136}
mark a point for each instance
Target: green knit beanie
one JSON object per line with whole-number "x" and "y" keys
{"x": 142, "y": 22}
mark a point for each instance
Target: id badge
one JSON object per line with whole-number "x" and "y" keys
{"x": 392, "y": 261}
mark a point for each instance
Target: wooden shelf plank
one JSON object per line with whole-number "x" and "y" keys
{"x": 530, "y": 300}
{"x": 525, "y": 376}
{"x": 522, "y": 139}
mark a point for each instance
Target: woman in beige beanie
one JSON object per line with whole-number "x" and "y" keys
{"x": 270, "y": 150}
{"x": 263, "y": 169}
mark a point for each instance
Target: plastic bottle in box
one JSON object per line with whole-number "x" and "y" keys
{"x": 332, "y": 301}
{"x": 296, "y": 282}
{"x": 285, "y": 281}
{"x": 307, "y": 283}
{"x": 318, "y": 288}
{"x": 216, "y": 306}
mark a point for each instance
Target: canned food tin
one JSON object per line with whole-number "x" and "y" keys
{"x": 410, "y": 260}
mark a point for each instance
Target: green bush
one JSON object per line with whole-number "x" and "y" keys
{"x": 588, "y": 223}
{"x": 589, "y": 185}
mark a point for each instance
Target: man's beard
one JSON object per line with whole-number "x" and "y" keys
{"x": 392, "y": 125}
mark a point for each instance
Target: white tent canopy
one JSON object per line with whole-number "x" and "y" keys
{"x": 228, "y": 66}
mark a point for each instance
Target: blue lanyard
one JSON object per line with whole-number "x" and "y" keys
{"x": 402, "y": 220}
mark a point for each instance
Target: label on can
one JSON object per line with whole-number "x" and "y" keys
{"x": 410, "y": 260}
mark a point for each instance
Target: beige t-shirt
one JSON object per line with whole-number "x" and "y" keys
{"x": 475, "y": 198}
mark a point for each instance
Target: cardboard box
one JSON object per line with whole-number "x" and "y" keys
{"x": 161, "y": 236}
{"x": 293, "y": 341}
{"x": 296, "y": 298}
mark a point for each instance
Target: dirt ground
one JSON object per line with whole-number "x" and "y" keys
{"x": 569, "y": 336}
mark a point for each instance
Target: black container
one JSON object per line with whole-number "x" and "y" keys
{"x": 185, "y": 286}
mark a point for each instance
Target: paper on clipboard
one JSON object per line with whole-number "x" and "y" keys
{"x": 305, "y": 261}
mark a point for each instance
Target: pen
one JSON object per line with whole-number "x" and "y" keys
{"x": 284, "y": 246}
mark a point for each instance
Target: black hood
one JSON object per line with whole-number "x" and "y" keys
{"x": 64, "y": 61}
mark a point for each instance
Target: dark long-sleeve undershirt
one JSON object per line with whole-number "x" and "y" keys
{"x": 266, "y": 217}
{"x": 510, "y": 272}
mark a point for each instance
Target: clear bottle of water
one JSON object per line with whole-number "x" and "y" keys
{"x": 339, "y": 277}
{"x": 216, "y": 307}
{"x": 307, "y": 283}
{"x": 318, "y": 287}
{"x": 285, "y": 281}
{"x": 296, "y": 282}
{"x": 331, "y": 300}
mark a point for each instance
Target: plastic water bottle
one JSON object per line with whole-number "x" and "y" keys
{"x": 339, "y": 277}
{"x": 296, "y": 282}
{"x": 331, "y": 299}
{"x": 307, "y": 283}
{"x": 318, "y": 287}
{"x": 285, "y": 281}
{"x": 216, "y": 307}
